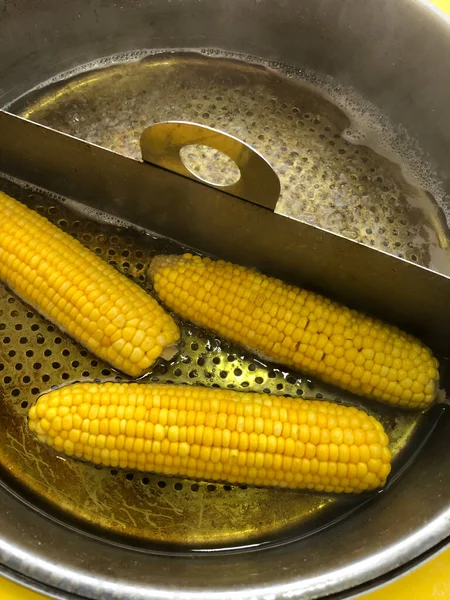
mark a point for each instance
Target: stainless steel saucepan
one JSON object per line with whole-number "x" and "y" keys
{"x": 349, "y": 102}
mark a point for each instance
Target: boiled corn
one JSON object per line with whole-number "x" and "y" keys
{"x": 299, "y": 329}
{"x": 75, "y": 289}
{"x": 218, "y": 435}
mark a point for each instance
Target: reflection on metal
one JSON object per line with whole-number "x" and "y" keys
{"x": 326, "y": 181}
{"x": 162, "y": 143}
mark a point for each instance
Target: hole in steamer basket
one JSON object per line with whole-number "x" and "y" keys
{"x": 210, "y": 165}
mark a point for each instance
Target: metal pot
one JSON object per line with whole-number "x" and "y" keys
{"x": 394, "y": 55}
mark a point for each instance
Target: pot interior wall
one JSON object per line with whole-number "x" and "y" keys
{"x": 373, "y": 203}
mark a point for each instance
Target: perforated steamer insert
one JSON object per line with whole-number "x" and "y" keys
{"x": 326, "y": 180}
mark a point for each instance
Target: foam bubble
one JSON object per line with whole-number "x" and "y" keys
{"x": 93, "y": 214}
{"x": 100, "y": 63}
{"x": 33, "y": 188}
{"x": 99, "y": 216}
{"x": 369, "y": 127}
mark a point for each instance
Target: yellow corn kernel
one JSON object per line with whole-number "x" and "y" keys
{"x": 310, "y": 442}
{"x": 73, "y": 287}
{"x": 352, "y": 350}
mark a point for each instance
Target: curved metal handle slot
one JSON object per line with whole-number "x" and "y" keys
{"x": 161, "y": 145}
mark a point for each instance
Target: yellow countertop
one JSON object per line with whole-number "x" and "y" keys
{"x": 430, "y": 581}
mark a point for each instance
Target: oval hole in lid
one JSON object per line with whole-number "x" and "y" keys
{"x": 210, "y": 165}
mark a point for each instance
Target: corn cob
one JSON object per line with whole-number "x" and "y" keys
{"x": 299, "y": 329}
{"x": 79, "y": 292}
{"x": 218, "y": 435}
